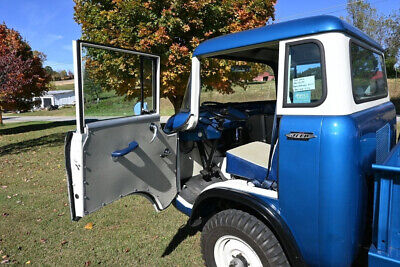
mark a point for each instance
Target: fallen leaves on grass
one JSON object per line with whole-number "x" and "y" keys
{"x": 89, "y": 226}
{"x": 28, "y": 262}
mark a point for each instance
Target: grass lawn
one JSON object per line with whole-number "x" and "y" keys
{"x": 69, "y": 86}
{"x": 115, "y": 105}
{"x": 35, "y": 223}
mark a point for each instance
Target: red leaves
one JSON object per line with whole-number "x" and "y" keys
{"x": 22, "y": 76}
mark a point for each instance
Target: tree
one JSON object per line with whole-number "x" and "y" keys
{"x": 49, "y": 70}
{"x": 22, "y": 76}
{"x": 70, "y": 75}
{"x": 171, "y": 29}
{"x": 384, "y": 29}
{"x": 63, "y": 74}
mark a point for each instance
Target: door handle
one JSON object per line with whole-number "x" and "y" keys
{"x": 119, "y": 153}
{"x": 154, "y": 129}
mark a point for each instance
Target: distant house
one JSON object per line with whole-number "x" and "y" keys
{"x": 263, "y": 77}
{"x": 56, "y": 98}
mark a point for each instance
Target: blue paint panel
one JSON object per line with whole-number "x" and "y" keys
{"x": 376, "y": 258}
{"x": 298, "y": 182}
{"x": 322, "y": 182}
{"x": 281, "y": 31}
{"x": 385, "y": 249}
{"x": 182, "y": 208}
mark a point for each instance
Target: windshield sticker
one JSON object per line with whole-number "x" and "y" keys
{"x": 302, "y": 97}
{"x": 304, "y": 84}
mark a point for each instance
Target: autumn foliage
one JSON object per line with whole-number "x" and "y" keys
{"x": 171, "y": 29}
{"x": 22, "y": 76}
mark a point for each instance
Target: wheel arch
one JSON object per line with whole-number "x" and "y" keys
{"x": 217, "y": 199}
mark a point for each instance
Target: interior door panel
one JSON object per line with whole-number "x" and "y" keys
{"x": 142, "y": 170}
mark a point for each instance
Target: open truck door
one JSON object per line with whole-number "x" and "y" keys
{"x": 118, "y": 147}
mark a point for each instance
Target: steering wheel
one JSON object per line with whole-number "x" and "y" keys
{"x": 210, "y": 104}
{"x": 224, "y": 113}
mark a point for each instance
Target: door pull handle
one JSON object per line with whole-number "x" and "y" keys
{"x": 120, "y": 153}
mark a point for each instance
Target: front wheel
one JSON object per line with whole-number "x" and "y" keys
{"x": 235, "y": 238}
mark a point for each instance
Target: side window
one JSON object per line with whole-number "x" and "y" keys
{"x": 305, "y": 75}
{"x": 117, "y": 84}
{"x": 367, "y": 74}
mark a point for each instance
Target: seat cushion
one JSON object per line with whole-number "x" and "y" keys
{"x": 249, "y": 160}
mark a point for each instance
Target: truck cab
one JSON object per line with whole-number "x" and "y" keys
{"x": 284, "y": 178}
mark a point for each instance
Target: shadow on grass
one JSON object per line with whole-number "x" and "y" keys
{"x": 183, "y": 233}
{"x": 51, "y": 140}
{"x": 35, "y": 127}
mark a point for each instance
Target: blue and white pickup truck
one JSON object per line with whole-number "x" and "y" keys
{"x": 307, "y": 177}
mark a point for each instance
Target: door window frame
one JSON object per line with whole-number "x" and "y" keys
{"x": 78, "y": 46}
{"x": 286, "y": 73}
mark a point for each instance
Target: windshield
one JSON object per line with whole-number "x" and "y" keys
{"x": 234, "y": 81}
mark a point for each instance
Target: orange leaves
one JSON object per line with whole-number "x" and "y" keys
{"x": 186, "y": 28}
{"x": 171, "y": 29}
{"x": 89, "y": 226}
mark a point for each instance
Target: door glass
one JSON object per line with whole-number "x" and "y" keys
{"x": 368, "y": 74}
{"x": 148, "y": 85}
{"x": 305, "y": 84}
{"x": 114, "y": 83}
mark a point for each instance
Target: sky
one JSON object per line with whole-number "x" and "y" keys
{"x": 49, "y": 27}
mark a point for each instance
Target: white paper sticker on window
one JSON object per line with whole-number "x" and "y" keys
{"x": 304, "y": 84}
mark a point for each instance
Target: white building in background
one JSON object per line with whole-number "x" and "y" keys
{"x": 57, "y": 98}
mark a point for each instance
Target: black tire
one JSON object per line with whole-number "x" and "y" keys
{"x": 246, "y": 227}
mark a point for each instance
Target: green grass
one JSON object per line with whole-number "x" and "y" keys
{"x": 112, "y": 105}
{"x": 64, "y": 87}
{"x": 35, "y": 223}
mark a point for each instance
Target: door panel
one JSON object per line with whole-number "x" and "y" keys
{"x": 111, "y": 84}
{"x": 142, "y": 170}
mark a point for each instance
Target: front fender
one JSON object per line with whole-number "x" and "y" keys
{"x": 204, "y": 207}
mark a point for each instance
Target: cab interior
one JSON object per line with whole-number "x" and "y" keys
{"x": 234, "y": 137}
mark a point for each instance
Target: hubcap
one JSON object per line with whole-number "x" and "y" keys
{"x": 234, "y": 252}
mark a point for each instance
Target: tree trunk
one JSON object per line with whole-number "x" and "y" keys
{"x": 176, "y": 102}
{"x": 1, "y": 116}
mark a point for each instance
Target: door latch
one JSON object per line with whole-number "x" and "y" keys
{"x": 166, "y": 153}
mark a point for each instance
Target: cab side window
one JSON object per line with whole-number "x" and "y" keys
{"x": 305, "y": 75}
{"x": 367, "y": 74}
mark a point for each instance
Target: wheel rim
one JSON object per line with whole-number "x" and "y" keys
{"x": 232, "y": 251}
